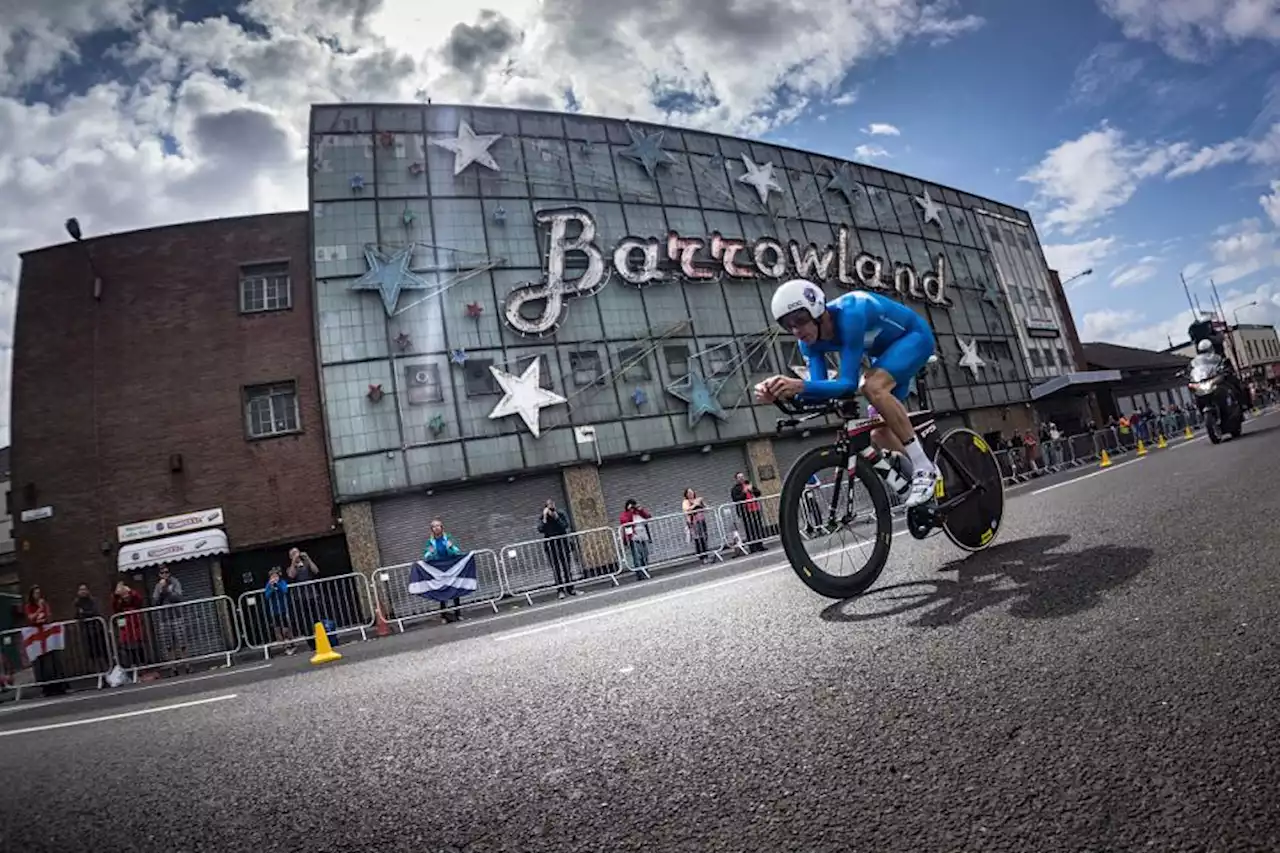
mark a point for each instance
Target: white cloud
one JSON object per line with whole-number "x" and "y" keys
{"x": 881, "y": 129}
{"x": 1193, "y": 30}
{"x": 1244, "y": 253}
{"x": 1071, "y": 258}
{"x": 1106, "y": 71}
{"x": 870, "y": 152}
{"x": 1264, "y": 151}
{"x": 1271, "y": 203}
{"x": 1136, "y": 273}
{"x": 1192, "y": 270}
{"x": 233, "y": 102}
{"x": 1133, "y": 328}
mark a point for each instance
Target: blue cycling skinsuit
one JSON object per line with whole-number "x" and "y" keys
{"x": 897, "y": 340}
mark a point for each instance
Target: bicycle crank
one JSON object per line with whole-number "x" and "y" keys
{"x": 921, "y": 520}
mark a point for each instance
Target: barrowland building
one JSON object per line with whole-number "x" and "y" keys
{"x": 514, "y": 306}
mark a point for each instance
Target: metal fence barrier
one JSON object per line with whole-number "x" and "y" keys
{"x": 55, "y": 653}
{"x": 562, "y": 562}
{"x": 670, "y": 539}
{"x": 287, "y": 615}
{"x": 174, "y": 635}
{"x": 398, "y": 605}
{"x": 741, "y": 525}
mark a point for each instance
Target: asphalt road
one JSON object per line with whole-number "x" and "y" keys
{"x": 1103, "y": 678}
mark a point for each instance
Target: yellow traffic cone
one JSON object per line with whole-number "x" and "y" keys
{"x": 1106, "y": 460}
{"x": 324, "y": 651}
{"x": 1188, "y": 433}
{"x": 1142, "y": 448}
{"x": 1161, "y": 444}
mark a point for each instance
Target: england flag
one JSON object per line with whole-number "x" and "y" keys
{"x": 444, "y": 579}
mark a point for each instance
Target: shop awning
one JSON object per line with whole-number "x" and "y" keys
{"x": 184, "y": 546}
{"x": 1078, "y": 382}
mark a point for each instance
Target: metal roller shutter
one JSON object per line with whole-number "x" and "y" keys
{"x": 482, "y": 516}
{"x": 787, "y": 450}
{"x": 659, "y": 483}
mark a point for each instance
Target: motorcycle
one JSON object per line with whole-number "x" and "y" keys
{"x": 1217, "y": 396}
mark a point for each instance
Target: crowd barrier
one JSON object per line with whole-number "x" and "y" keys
{"x": 344, "y": 603}
{"x": 55, "y": 653}
{"x": 399, "y": 606}
{"x": 562, "y": 563}
{"x": 174, "y": 635}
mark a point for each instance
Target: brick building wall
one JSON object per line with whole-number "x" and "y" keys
{"x": 160, "y": 363}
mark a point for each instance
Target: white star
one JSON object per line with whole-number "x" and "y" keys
{"x": 523, "y": 396}
{"x": 760, "y": 178}
{"x": 969, "y": 357}
{"x": 468, "y": 148}
{"x": 932, "y": 212}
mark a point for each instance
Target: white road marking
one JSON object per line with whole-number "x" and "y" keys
{"x": 48, "y": 727}
{"x": 635, "y": 605}
{"x": 99, "y": 694}
{"x": 1087, "y": 476}
{"x": 1186, "y": 442}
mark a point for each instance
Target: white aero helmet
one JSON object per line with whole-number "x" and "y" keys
{"x": 797, "y": 295}
{"x": 1204, "y": 346}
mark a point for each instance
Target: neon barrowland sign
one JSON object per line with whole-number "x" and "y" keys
{"x": 647, "y": 261}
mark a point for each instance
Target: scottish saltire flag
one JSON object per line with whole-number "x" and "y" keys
{"x": 444, "y": 578}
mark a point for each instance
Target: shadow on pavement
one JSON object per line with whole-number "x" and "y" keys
{"x": 1034, "y": 583}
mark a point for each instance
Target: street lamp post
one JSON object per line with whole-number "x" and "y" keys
{"x": 1235, "y": 312}
{"x": 1080, "y": 274}
{"x": 73, "y": 228}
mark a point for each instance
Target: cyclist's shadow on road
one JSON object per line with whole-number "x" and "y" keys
{"x": 1023, "y": 574}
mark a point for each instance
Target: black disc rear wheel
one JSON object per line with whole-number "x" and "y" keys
{"x": 836, "y": 535}
{"x": 973, "y": 524}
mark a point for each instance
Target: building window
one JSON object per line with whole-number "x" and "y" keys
{"x": 1063, "y": 359}
{"x": 544, "y": 370}
{"x": 721, "y": 359}
{"x": 265, "y": 287}
{"x": 271, "y": 409}
{"x": 586, "y": 368}
{"x": 1034, "y": 355}
{"x": 477, "y": 379}
{"x": 758, "y": 355}
{"x": 634, "y": 364}
{"x": 677, "y": 358}
{"x": 422, "y": 384}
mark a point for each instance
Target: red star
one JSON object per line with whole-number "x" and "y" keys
{"x": 474, "y": 309}
{"x": 375, "y": 393}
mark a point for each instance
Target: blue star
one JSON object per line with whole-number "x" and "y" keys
{"x": 458, "y": 356}
{"x": 843, "y": 183}
{"x": 701, "y": 396}
{"x": 639, "y": 397}
{"x": 990, "y": 294}
{"x": 646, "y": 149}
{"x": 389, "y": 275}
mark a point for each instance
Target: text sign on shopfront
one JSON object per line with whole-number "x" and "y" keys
{"x": 169, "y": 525}
{"x": 646, "y": 261}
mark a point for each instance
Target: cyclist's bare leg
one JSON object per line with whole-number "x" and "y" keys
{"x": 896, "y": 432}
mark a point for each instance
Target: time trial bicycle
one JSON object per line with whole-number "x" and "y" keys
{"x": 818, "y": 506}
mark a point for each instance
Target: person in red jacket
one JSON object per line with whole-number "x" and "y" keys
{"x": 635, "y": 534}
{"x": 129, "y": 625}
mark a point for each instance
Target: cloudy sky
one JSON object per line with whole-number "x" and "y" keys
{"x": 1143, "y": 134}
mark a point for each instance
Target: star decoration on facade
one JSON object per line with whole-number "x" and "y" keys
{"x": 639, "y": 397}
{"x": 932, "y": 212}
{"x": 474, "y": 310}
{"x": 701, "y": 395}
{"x": 357, "y": 183}
{"x": 842, "y": 182}
{"x": 524, "y": 396}
{"x": 469, "y": 148}
{"x": 403, "y": 341}
{"x": 376, "y": 393}
{"x": 458, "y": 356}
{"x": 969, "y": 358}
{"x": 416, "y": 169}
{"x": 760, "y": 178}
{"x": 991, "y": 294}
{"x": 436, "y": 424}
{"x": 646, "y": 149}
{"x": 390, "y": 275}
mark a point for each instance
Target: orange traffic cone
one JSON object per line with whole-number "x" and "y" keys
{"x": 1142, "y": 448}
{"x": 380, "y": 626}
{"x": 324, "y": 651}
{"x": 1161, "y": 444}
{"x": 1106, "y": 460}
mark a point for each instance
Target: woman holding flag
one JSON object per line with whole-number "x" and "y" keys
{"x": 440, "y": 548}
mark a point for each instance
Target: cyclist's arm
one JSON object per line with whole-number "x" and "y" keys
{"x": 853, "y": 327}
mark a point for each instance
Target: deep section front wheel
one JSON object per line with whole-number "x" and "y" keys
{"x": 965, "y": 459}
{"x": 838, "y": 522}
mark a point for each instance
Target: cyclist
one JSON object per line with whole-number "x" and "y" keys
{"x": 898, "y": 343}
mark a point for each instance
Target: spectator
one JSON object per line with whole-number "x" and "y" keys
{"x": 308, "y": 599}
{"x": 92, "y": 633}
{"x": 439, "y": 546}
{"x": 635, "y": 535}
{"x": 46, "y": 667}
{"x": 170, "y": 623}
{"x": 125, "y": 601}
{"x": 279, "y": 613}
{"x": 747, "y": 499}
{"x": 695, "y": 519}
{"x": 554, "y": 527}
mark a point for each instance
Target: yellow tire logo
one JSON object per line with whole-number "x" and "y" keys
{"x": 939, "y": 490}
{"x": 986, "y": 536}
{"x": 980, "y": 444}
